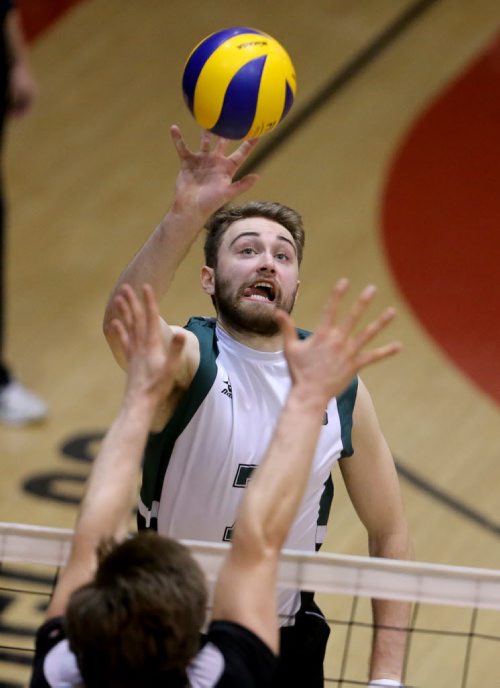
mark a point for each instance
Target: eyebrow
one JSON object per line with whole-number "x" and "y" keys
{"x": 256, "y": 234}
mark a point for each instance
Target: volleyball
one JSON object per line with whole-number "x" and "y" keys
{"x": 239, "y": 83}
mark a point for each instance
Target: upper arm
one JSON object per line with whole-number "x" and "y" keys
{"x": 370, "y": 476}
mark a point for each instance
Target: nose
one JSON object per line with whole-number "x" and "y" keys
{"x": 267, "y": 262}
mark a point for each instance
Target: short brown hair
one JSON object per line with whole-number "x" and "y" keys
{"x": 223, "y": 218}
{"x": 139, "y": 620}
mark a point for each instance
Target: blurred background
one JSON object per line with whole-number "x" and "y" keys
{"x": 390, "y": 153}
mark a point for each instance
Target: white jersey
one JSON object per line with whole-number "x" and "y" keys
{"x": 196, "y": 468}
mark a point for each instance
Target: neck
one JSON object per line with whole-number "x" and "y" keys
{"x": 260, "y": 342}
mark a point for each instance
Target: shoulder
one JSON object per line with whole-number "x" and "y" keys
{"x": 200, "y": 340}
{"x": 197, "y": 372}
{"x": 198, "y": 324}
{"x": 191, "y": 352}
{"x": 364, "y": 410}
{"x": 54, "y": 663}
{"x": 234, "y": 655}
{"x": 350, "y": 394}
{"x": 202, "y": 330}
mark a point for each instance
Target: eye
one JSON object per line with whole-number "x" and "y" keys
{"x": 247, "y": 251}
{"x": 282, "y": 256}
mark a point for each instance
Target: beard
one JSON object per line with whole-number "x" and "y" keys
{"x": 249, "y": 316}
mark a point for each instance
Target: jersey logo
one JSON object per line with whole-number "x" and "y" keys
{"x": 227, "y": 390}
{"x": 241, "y": 479}
{"x": 243, "y": 474}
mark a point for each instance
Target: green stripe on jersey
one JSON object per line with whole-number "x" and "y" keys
{"x": 160, "y": 445}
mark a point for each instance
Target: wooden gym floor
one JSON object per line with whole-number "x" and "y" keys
{"x": 390, "y": 153}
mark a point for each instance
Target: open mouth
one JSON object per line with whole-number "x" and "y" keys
{"x": 260, "y": 291}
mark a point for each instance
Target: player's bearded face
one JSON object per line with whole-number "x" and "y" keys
{"x": 249, "y": 315}
{"x": 256, "y": 273}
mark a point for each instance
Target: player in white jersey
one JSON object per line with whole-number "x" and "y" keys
{"x": 227, "y": 418}
{"x": 252, "y": 258}
{"x": 134, "y": 618}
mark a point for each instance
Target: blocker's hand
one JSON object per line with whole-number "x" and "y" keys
{"x": 152, "y": 367}
{"x": 327, "y": 360}
{"x": 206, "y": 178}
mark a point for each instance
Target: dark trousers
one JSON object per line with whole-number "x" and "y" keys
{"x": 303, "y": 647}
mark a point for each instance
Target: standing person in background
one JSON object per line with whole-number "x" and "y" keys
{"x": 18, "y": 405}
{"x": 229, "y": 392}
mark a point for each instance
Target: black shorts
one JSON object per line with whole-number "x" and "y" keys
{"x": 303, "y": 647}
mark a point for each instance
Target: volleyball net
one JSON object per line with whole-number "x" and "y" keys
{"x": 453, "y": 637}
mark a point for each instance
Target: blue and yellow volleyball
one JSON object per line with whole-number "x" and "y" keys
{"x": 239, "y": 83}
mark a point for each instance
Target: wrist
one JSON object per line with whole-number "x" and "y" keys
{"x": 185, "y": 210}
{"x": 181, "y": 224}
{"x": 309, "y": 397}
{"x": 139, "y": 404}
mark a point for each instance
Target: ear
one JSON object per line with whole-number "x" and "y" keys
{"x": 208, "y": 280}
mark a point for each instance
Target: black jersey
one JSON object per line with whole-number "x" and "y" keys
{"x": 232, "y": 656}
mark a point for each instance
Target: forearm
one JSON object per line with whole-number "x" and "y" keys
{"x": 266, "y": 513}
{"x": 391, "y": 618}
{"x": 278, "y": 485}
{"x": 111, "y": 489}
{"x": 106, "y": 506}
{"x": 390, "y": 635}
{"x": 204, "y": 184}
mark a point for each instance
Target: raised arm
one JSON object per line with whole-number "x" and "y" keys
{"x": 321, "y": 367}
{"x": 373, "y": 486}
{"x": 106, "y": 507}
{"x": 204, "y": 183}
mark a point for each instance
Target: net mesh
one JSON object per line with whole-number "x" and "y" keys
{"x": 454, "y": 634}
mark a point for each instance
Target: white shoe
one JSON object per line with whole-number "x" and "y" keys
{"x": 19, "y": 405}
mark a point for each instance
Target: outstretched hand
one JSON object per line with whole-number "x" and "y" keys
{"x": 205, "y": 180}
{"x": 328, "y": 359}
{"x": 151, "y": 366}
